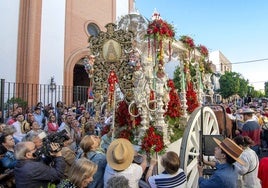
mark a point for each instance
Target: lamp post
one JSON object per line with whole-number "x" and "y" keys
{"x": 52, "y": 84}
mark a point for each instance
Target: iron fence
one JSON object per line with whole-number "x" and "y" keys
{"x": 31, "y": 94}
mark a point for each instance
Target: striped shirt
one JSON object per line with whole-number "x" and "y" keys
{"x": 165, "y": 180}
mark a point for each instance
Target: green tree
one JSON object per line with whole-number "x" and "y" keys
{"x": 266, "y": 89}
{"x": 177, "y": 78}
{"x": 257, "y": 94}
{"x": 243, "y": 86}
{"x": 19, "y": 101}
{"x": 232, "y": 83}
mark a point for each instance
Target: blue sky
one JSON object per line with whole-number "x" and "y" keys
{"x": 238, "y": 28}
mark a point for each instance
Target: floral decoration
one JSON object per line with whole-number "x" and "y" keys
{"x": 161, "y": 28}
{"x": 123, "y": 117}
{"x": 122, "y": 114}
{"x": 127, "y": 134}
{"x": 188, "y": 42}
{"x": 174, "y": 104}
{"x": 127, "y": 124}
{"x": 205, "y": 65}
{"x": 171, "y": 84}
{"x": 191, "y": 96}
{"x": 203, "y": 50}
{"x": 158, "y": 30}
{"x": 152, "y": 142}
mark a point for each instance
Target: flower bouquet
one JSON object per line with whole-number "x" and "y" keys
{"x": 152, "y": 142}
{"x": 159, "y": 30}
{"x": 191, "y": 96}
{"x": 202, "y": 50}
{"x": 174, "y": 104}
{"x": 188, "y": 42}
{"x": 127, "y": 125}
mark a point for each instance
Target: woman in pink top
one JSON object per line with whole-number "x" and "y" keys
{"x": 52, "y": 125}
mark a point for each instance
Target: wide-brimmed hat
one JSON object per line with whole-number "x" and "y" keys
{"x": 231, "y": 148}
{"x": 247, "y": 111}
{"x": 120, "y": 154}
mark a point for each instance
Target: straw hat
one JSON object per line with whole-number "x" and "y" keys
{"x": 120, "y": 154}
{"x": 231, "y": 148}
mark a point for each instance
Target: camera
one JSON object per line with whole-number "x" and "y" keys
{"x": 58, "y": 137}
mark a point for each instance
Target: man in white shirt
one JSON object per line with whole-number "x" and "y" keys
{"x": 120, "y": 155}
{"x": 19, "y": 134}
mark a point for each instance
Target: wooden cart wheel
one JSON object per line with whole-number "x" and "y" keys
{"x": 189, "y": 150}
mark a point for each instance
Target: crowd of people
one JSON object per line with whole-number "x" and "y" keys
{"x": 66, "y": 147}
{"x": 252, "y": 121}
{"x": 70, "y": 147}
{"x": 239, "y": 162}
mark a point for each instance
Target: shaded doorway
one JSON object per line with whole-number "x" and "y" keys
{"x": 80, "y": 83}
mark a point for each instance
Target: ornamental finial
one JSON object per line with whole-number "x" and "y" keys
{"x": 156, "y": 15}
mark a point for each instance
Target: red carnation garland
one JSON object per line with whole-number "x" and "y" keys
{"x": 152, "y": 142}
{"x": 191, "y": 96}
{"x": 122, "y": 114}
{"x": 123, "y": 117}
{"x": 174, "y": 104}
{"x": 127, "y": 134}
{"x": 159, "y": 29}
{"x": 127, "y": 124}
{"x": 188, "y": 42}
{"x": 203, "y": 50}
